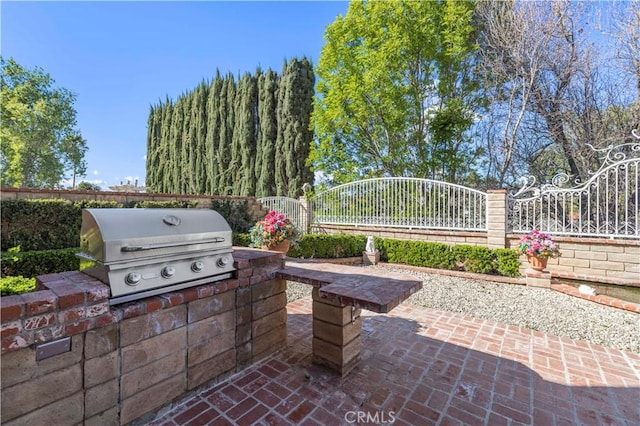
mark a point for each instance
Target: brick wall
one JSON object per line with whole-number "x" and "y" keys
{"x": 448, "y": 237}
{"x": 590, "y": 259}
{"x": 594, "y": 259}
{"x": 129, "y": 360}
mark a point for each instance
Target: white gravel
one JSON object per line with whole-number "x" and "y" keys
{"x": 543, "y": 310}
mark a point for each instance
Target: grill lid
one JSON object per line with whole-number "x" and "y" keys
{"x": 121, "y": 235}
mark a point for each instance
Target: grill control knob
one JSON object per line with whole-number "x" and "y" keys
{"x": 132, "y": 278}
{"x": 197, "y": 266}
{"x": 168, "y": 271}
{"x": 222, "y": 262}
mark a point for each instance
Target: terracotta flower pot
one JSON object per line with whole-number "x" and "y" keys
{"x": 537, "y": 263}
{"x": 283, "y": 247}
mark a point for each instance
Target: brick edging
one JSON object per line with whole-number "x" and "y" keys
{"x": 595, "y": 278}
{"x": 556, "y": 286}
{"x": 459, "y": 274}
{"x": 599, "y": 298}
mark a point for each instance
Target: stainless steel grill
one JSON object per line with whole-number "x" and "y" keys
{"x": 144, "y": 252}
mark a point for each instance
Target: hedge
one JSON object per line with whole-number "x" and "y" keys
{"x": 443, "y": 256}
{"x": 321, "y": 246}
{"x": 33, "y": 263}
{"x": 53, "y": 224}
{"x": 476, "y": 259}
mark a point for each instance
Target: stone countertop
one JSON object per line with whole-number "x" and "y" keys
{"x": 373, "y": 290}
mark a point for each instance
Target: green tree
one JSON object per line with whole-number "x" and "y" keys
{"x": 185, "y": 181}
{"x": 394, "y": 93}
{"x": 88, "y": 186}
{"x": 175, "y": 147}
{"x": 265, "y": 150}
{"x": 295, "y": 103}
{"x": 245, "y": 135}
{"x": 164, "y": 174}
{"x": 39, "y": 141}
{"x": 154, "y": 129}
{"x": 199, "y": 124}
{"x": 212, "y": 139}
{"x": 225, "y": 140}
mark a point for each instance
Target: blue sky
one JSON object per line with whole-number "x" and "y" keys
{"x": 119, "y": 58}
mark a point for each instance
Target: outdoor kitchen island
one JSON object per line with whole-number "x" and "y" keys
{"x": 70, "y": 357}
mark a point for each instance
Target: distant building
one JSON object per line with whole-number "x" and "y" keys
{"x": 128, "y": 187}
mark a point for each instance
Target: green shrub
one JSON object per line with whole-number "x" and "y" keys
{"x": 33, "y": 263}
{"x": 476, "y": 259}
{"x": 416, "y": 253}
{"x": 95, "y": 204}
{"x": 236, "y": 213}
{"x": 481, "y": 260}
{"x": 39, "y": 224}
{"x": 321, "y": 246}
{"x": 16, "y": 285}
{"x": 508, "y": 262}
{"x": 44, "y": 224}
{"x": 170, "y": 204}
{"x": 442, "y": 256}
{"x": 241, "y": 239}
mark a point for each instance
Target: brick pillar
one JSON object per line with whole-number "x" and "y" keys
{"x": 336, "y": 334}
{"x": 496, "y": 218}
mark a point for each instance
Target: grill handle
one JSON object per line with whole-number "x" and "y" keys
{"x": 129, "y": 249}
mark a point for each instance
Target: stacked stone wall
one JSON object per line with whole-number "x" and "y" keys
{"x": 604, "y": 260}
{"x": 127, "y": 361}
{"x": 447, "y": 237}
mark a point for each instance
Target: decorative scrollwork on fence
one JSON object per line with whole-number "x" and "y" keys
{"x": 606, "y": 205}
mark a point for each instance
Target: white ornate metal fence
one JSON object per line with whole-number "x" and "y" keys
{"x": 402, "y": 202}
{"x": 291, "y": 207}
{"x": 607, "y": 205}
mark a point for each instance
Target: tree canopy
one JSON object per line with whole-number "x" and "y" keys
{"x": 395, "y": 92}
{"x": 553, "y": 91}
{"x": 39, "y": 141}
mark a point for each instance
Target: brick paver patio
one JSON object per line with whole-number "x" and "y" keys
{"x": 422, "y": 366}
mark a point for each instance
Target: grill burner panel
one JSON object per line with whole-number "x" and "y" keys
{"x": 143, "y": 252}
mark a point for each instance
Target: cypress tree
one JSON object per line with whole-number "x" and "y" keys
{"x": 175, "y": 147}
{"x": 151, "y": 148}
{"x": 227, "y": 98}
{"x": 199, "y": 123}
{"x": 252, "y": 138}
{"x": 303, "y": 90}
{"x": 280, "y": 150}
{"x": 153, "y": 163}
{"x": 294, "y": 137}
{"x": 164, "y": 174}
{"x": 213, "y": 135}
{"x": 235, "y": 165}
{"x": 244, "y": 136}
{"x": 268, "y": 132}
{"x": 184, "y": 167}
